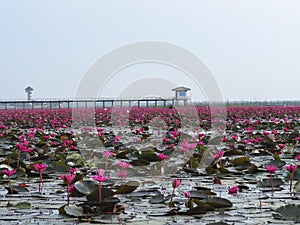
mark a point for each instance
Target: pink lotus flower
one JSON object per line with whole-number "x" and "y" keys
{"x": 292, "y": 169}
{"x": 187, "y": 194}
{"x": 162, "y": 156}
{"x": 100, "y": 179}
{"x": 73, "y": 170}
{"x": 68, "y": 178}
{"x": 71, "y": 188}
{"x": 108, "y": 154}
{"x": 124, "y": 165}
{"x": 9, "y": 173}
{"x": 3, "y": 127}
{"x": 271, "y": 169}
{"x": 201, "y": 143}
{"x": 117, "y": 138}
{"x": 219, "y": 154}
{"x": 298, "y": 157}
{"x": 175, "y": 183}
{"x": 40, "y": 167}
{"x": 122, "y": 174}
{"x": 233, "y": 190}
{"x": 100, "y": 172}
{"x": 281, "y": 146}
{"x": 224, "y": 139}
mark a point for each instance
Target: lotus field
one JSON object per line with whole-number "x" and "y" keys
{"x": 234, "y": 165}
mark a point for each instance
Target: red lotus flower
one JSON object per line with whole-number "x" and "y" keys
{"x": 219, "y": 154}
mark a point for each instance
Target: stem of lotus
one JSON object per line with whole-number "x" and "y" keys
{"x": 291, "y": 181}
{"x": 10, "y": 187}
{"x": 172, "y": 196}
{"x": 68, "y": 194}
{"x": 18, "y": 163}
{"x": 100, "y": 192}
{"x": 272, "y": 184}
{"x": 106, "y": 163}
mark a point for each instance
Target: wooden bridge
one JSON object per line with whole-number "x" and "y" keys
{"x": 129, "y": 102}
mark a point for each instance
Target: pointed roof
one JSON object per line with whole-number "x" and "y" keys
{"x": 181, "y": 88}
{"x": 28, "y": 89}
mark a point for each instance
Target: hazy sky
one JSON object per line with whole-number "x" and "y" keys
{"x": 251, "y": 47}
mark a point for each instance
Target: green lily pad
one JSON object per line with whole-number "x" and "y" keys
{"x": 94, "y": 195}
{"x": 71, "y": 210}
{"x": 86, "y": 186}
{"x": 128, "y": 187}
{"x": 240, "y": 161}
{"x": 288, "y": 212}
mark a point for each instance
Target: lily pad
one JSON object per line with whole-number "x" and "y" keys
{"x": 218, "y": 202}
{"x": 200, "y": 209}
{"x": 267, "y": 183}
{"x": 86, "y": 186}
{"x": 240, "y": 161}
{"x": 157, "y": 199}
{"x": 288, "y": 212}
{"x": 128, "y": 187}
{"x": 71, "y": 210}
{"x": 94, "y": 195}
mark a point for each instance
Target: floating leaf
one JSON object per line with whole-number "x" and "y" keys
{"x": 200, "y": 209}
{"x": 198, "y": 194}
{"x": 266, "y": 182}
{"x": 140, "y": 162}
{"x": 22, "y": 205}
{"x": 71, "y": 210}
{"x": 240, "y": 161}
{"x": 94, "y": 195}
{"x": 218, "y": 202}
{"x": 157, "y": 199}
{"x": 86, "y": 186}
{"x": 288, "y": 212}
{"x": 277, "y": 163}
{"x": 128, "y": 187}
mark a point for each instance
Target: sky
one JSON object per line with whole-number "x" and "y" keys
{"x": 251, "y": 47}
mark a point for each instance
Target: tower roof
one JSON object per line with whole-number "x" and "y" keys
{"x": 28, "y": 89}
{"x": 181, "y": 88}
